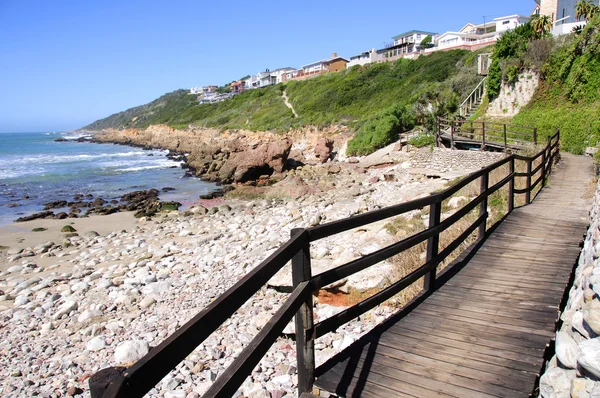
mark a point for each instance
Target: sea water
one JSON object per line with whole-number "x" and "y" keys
{"x": 35, "y": 169}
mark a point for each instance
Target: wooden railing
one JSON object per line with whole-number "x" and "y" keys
{"x": 502, "y": 136}
{"x": 138, "y": 379}
{"x": 472, "y": 99}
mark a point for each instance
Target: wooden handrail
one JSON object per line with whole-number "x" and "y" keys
{"x": 138, "y": 379}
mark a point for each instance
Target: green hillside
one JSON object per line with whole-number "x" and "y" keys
{"x": 159, "y": 111}
{"x": 569, "y": 96}
{"x": 353, "y": 96}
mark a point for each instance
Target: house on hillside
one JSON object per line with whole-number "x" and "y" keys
{"x": 267, "y": 78}
{"x": 470, "y": 37}
{"x": 238, "y": 87}
{"x": 510, "y": 22}
{"x": 562, "y": 14}
{"x": 367, "y": 57}
{"x": 333, "y": 64}
{"x": 406, "y": 45}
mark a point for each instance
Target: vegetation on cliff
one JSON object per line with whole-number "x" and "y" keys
{"x": 569, "y": 96}
{"x": 362, "y": 97}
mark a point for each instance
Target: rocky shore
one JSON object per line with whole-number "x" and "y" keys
{"x": 104, "y": 300}
{"x": 575, "y": 369}
{"x": 236, "y": 155}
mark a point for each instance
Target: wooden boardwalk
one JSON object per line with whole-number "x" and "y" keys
{"x": 485, "y": 330}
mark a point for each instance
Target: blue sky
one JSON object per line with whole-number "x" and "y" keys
{"x": 64, "y": 64}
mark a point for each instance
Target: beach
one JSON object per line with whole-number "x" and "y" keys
{"x": 90, "y": 301}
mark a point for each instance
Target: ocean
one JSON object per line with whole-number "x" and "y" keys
{"x": 35, "y": 169}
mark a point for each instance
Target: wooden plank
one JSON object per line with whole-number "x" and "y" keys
{"x": 428, "y": 377}
{"x": 417, "y": 346}
{"x": 443, "y": 362}
{"x": 488, "y": 340}
{"x": 509, "y": 336}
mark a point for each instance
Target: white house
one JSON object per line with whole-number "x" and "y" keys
{"x": 267, "y": 78}
{"x": 367, "y": 57}
{"x": 509, "y": 23}
{"x": 470, "y": 37}
{"x": 406, "y": 44}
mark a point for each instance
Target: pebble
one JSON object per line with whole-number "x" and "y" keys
{"x": 106, "y": 300}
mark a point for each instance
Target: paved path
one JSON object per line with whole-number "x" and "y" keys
{"x": 484, "y": 332}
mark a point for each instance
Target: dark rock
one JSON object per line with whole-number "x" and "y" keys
{"x": 43, "y": 214}
{"x": 13, "y": 205}
{"x": 167, "y": 189}
{"x": 61, "y": 216}
{"x": 169, "y": 206}
{"x": 60, "y": 139}
{"x": 98, "y": 202}
{"x": 67, "y": 228}
{"x": 55, "y": 205}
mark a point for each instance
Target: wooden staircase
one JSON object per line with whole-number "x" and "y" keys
{"x": 473, "y": 100}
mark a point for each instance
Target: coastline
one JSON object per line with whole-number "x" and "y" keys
{"x": 87, "y": 301}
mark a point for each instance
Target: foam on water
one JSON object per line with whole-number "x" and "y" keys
{"x": 34, "y": 166}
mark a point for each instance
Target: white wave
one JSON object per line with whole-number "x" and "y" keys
{"x": 150, "y": 167}
{"x": 48, "y": 159}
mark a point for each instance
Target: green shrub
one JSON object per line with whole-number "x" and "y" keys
{"x": 422, "y": 140}
{"x": 382, "y": 130}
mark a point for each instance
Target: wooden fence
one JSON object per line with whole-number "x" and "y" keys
{"x": 498, "y": 135}
{"x": 138, "y": 379}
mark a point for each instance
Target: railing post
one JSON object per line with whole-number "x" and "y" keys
{"x": 535, "y": 136}
{"x": 305, "y": 342}
{"x": 101, "y": 381}
{"x": 433, "y": 243}
{"x": 550, "y": 157}
{"x": 544, "y": 168}
{"x": 482, "y": 135}
{"x": 452, "y": 134}
{"x": 484, "y": 204}
{"x": 528, "y": 187}
{"x": 511, "y": 185}
{"x": 505, "y": 145}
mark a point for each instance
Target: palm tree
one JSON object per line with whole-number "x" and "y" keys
{"x": 582, "y": 9}
{"x": 541, "y": 26}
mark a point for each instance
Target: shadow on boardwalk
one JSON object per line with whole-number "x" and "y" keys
{"x": 484, "y": 332}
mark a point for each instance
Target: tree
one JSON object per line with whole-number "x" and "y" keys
{"x": 541, "y": 26}
{"x": 582, "y": 9}
{"x": 427, "y": 42}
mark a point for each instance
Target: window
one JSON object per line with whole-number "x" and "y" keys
{"x": 505, "y": 22}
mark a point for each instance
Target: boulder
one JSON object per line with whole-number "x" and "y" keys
{"x": 130, "y": 351}
{"x": 589, "y": 359}
{"x": 252, "y": 163}
{"x": 323, "y": 149}
{"x": 566, "y": 350}
{"x": 556, "y": 383}
{"x": 35, "y": 216}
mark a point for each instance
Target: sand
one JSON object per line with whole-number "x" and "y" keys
{"x": 20, "y": 235}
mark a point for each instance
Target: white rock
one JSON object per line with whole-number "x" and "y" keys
{"x": 147, "y": 302}
{"x": 65, "y": 308}
{"x": 96, "y": 344}
{"x": 88, "y": 315}
{"x": 175, "y": 394}
{"x": 130, "y": 351}
{"x": 589, "y": 358}
{"x": 567, "y": 350}
{"x": 556, "y": 383}
{"x": 591, "y": 315}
